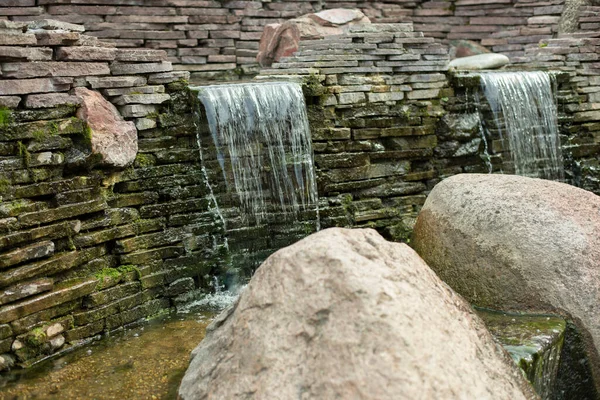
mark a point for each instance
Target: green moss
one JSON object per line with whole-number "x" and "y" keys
{"x": 36, "y": 337}
{"x": 6, "y": 117}
{"x": 312, "y": 87}
{"x": 111, "y": 273}
{"x": 542, "y": 45}
{"x": 87, "y": 134}
{"x": 127, "y": 269}
{"x": 24, "y": 154}
{"x": 144, "y": 160}
{"x": 4, "y": 186}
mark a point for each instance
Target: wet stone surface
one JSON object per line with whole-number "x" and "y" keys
{"x": 533, "y": 341}
{"x": 146, "y": 362}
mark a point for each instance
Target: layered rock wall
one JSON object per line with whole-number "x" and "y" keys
{"x": 86, "y": 247}
{"x": 214, "y": 39}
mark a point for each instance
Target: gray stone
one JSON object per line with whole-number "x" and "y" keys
{"x": 479, "y": 61}
{"x": 52, "y": 25}
{"x": 514, "y": 243}
{"x": 111, "y": 137}
{"x": 25, "y": 289}
{"x": 86, "y": 53}
{"x": 120, "y": 68}
{"x": 31, "y": 252}
{"x": 345, "y": 314}
{"x": 10, "y": 101}
{"x": 47, "y": 100}
{"x": 157, "y": 98}
{"x": 41, "y": 85}
{"x": 168, "y": 77}
{"x": 143, "y": 124}
{"x": 137, "y": 110}
{"x": 25, "y": 53}
{"x": 116, "y": 81}
{"x": 17, "y": 39}
{"x": 141, "y": 55}
{"x": 52, "y": 68}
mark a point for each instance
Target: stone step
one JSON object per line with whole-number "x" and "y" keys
{"x": 21, "y": 309}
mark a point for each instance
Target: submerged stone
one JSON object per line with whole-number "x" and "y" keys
{"x": 534, "y": 342}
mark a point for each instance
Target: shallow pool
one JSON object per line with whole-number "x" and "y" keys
{"x": 145, "y": 362}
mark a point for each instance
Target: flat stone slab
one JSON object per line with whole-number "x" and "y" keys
{"x": 337, "y": 16}
{"x": 479, "y": 62}
{"x": 52, "y": 25}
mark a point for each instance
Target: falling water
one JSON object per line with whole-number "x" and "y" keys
{"x": 524, "y": 112}
{"x": 263, "y": 146}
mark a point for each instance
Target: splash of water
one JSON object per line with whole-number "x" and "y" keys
{"x": 263, "y": 145}
{"x": 525, "y": 114}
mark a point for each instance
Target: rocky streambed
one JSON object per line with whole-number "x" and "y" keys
{"x": 145, "y": 362}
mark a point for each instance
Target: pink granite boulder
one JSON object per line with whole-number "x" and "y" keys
{"x": 282, "y": 40}
{"x": 113, "y": 138}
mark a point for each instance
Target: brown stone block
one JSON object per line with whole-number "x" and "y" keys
{"x": 47, "y": 100}
{"x": 86, "y": 53}
{"x": 53, "y": 68}
{"x": 17, "y": 39}
{"x": 116, "y": 81}
{"x": 55, "y": 38}
{"x": 27, "y": 86}
{"x": 12, "y": 53}
{"x": 54, "y": 25}
{"x": 120, "y": 68}
{"x": 141, "y": 55}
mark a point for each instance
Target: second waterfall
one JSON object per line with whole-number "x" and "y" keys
{"x": 523, "y": 114}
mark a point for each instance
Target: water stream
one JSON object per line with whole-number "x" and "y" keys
{"x": 524, "y": 113}
{"x": 262, "y": 140}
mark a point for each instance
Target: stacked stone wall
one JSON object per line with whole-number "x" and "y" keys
{"x": 86, "y": 249}
{"x": 578, "y": 100}
{"x": 376, "y": 98}
{"x": 219, "y": 40}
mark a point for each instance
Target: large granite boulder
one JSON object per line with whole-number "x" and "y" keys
{"x": 112, "y": 139}
{"x": 515, "y": 243}
{"x": 282, "y": 40}
{"x": 344, "y": 314}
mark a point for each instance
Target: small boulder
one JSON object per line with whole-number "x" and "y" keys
{"x": 466, "y": 48}
{"x": 479, "y": 62}
{"x": 508, "y": 242}
{"x": 344, "y": 314}
{"x": 282, "y": 40}
{"x": 112, "y": 138}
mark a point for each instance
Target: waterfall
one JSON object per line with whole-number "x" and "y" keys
{"x": 263, "y": 146}
{"x": 524, "y": 113}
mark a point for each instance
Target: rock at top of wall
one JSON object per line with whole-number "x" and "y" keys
{"x": 466, "y": 48}
{"x": 113, "y": 138}
{"x": 479, "y": 62}
{"x": 346, "y": 314}
{"x": 508, "y": 242}
{"x": 281, "y": 40}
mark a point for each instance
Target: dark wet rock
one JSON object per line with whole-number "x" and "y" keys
{"x": 515, "y": 243}
{"x": 346, "y": 314}
{"x": 25, "y": 289}
{"x": 534, "y": 342}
